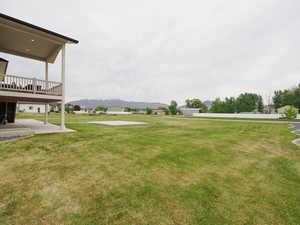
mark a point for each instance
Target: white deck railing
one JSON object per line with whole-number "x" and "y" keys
{"x": 29, "y": 85}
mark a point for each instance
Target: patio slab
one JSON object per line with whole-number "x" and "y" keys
{"x": 35, "y": 126}
{"x": 15, "y": 132}
{"x": 118, "y": 123}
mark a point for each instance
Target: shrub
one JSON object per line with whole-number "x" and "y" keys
{"x": 290, "y": 113}
{"x": 148, "y": 111}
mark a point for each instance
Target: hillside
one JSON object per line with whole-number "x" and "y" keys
{"x": 92, "y": 103}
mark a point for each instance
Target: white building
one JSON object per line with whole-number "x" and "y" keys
{"x": 282, "y": 109}
{"x": 190, "y": 111}
{"x": 31, "y": 108}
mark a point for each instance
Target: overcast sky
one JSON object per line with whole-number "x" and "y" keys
{"x": 159, "y": 50}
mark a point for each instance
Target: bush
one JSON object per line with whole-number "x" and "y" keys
{"x": 290, "y": 113}
{"x": 148, "y": 111}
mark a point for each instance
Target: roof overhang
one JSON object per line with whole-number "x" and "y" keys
{"x": 27, "y": 40}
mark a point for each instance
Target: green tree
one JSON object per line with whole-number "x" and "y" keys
{"x": 69, "y": 108}
{"x": 165, "y": 109}
{"x": 290, "y": 113}
{"x": 278, "y": 99}
{"x": 101, "y": 108}
{"x": 287, "y": 97}
{"x": 260, "y": 104}
{"x": 148, "y": 111}
{"x": 173, "y": 108}
{"x": 217, "y": 106}
{"x": 229, "y": 105}
{"x": 127, "y": 109}
{"x": 297, "y": 97}
{"x": 196, "y": 103}
{"x": 248, "y": 102}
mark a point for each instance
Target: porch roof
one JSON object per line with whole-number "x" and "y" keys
{"x": 27, "y": 40}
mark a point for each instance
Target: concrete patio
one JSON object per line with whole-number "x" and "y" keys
{"x": 27, "y": 127}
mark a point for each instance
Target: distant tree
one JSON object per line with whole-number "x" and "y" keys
{"x": 217, "y": 106}
{"x": 101, "y": 108}
{"x": 278, "y": 99}
{"x": 165, "y": 109}
{"x": 69, "y": 108}
{"x": 127, "y": 109}
{"x": 260, "y": 104}
{"x": 173, "y": 108}
{"x": 196, "y": 103}
{"x": 148, "y": 111}
{"x": 188, "y": 103}
{"x": 287, "y": 97}
{"x": 229, "y": 105}
{"x": 77, "y": 108}
{"x": 297, "y": 97}
{"x": 248, "y": 102}
{"x": 290, "y": 113}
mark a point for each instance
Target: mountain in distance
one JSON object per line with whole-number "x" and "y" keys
{"x": 92, "y": 103}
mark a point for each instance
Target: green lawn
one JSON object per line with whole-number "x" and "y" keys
{"x": 171, "y": 171}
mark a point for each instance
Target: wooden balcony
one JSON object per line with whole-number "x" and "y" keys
{"x": 30, "y": 85}
{"x": 23, "y": 89}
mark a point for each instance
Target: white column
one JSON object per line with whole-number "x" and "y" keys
{"x": 46, "y": 105}
{"x": 63, "y": 62}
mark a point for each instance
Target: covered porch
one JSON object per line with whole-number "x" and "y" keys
{"x": 23, "y": 39}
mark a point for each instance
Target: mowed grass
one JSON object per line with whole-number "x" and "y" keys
{"x": 172, "y": 171}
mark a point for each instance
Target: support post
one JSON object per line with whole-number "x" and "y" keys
{"x": 63, "y": 65}
{"x": 47, "y": 86}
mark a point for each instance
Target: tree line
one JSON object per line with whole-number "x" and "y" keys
{"x": 287, "y": 97}
{"x": 245, "y": 102}
{"x": 249, "y": 102}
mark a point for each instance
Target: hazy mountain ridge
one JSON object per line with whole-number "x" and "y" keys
{"x": 92, "y": 103}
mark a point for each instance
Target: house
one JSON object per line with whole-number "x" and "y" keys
{"x": 190, "y": 111}
{"x": 31, "y": 108}
{"x": 158, "y": 112}
{"x": 282, "y": 109}
{"x": 23, "y": 39}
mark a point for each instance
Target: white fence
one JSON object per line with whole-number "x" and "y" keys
{"x": 241, "y": 115}
{"x": 118, "y": 113}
